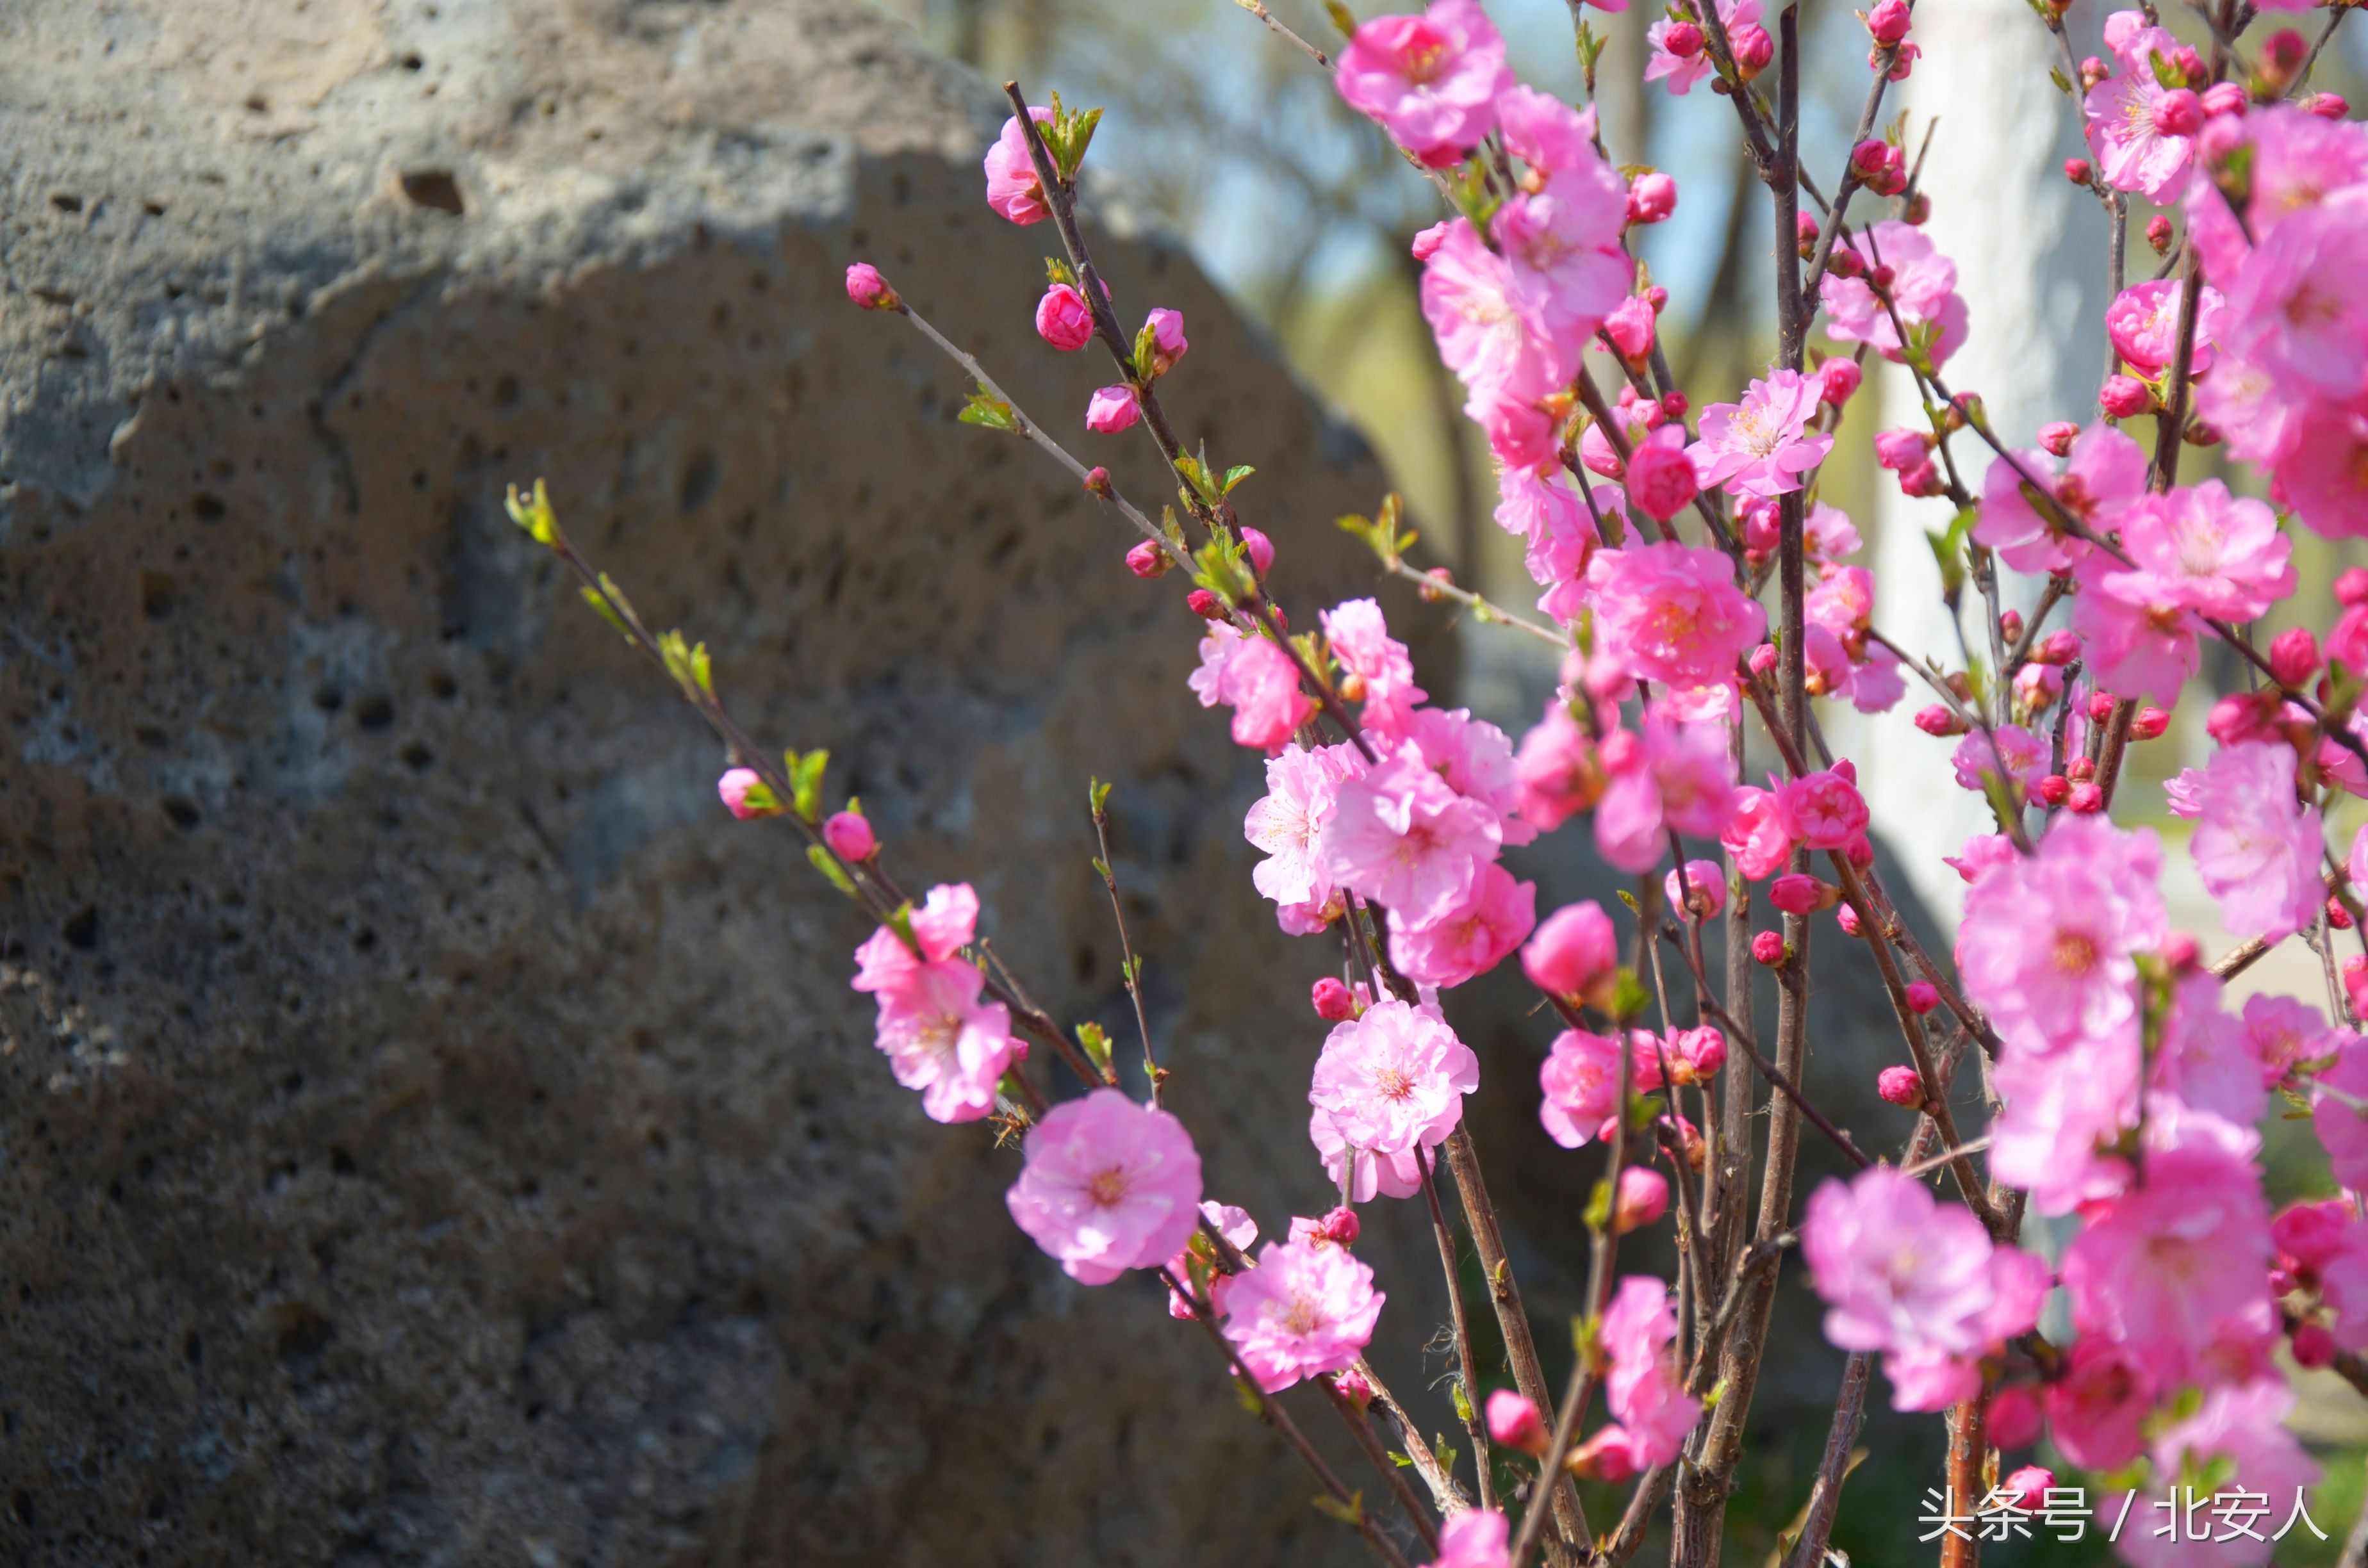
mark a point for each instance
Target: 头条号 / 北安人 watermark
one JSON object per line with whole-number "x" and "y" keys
{"x": 2063, "y": 1512}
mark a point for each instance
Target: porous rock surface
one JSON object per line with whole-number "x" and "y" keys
{"x": 430, "y": 1131}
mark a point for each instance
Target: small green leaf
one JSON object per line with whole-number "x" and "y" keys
{"x": 2168, "y": 74}
{"x": 1098, "y": 793}
{"x": 986, "y": 408}
{"x": 2056, "y": 73}
{"x": 899, "y": 920}
{"x": 1342, "y": 17}
{"x": 805, "y": 781}
{"x": 1462, "y": 1401}
{"x": 1629, "y": 998}
{"x": 1630, "y": 900}
{"x": 1400, "y": 1459}
{"x": 534, "y": 515}
{"x": 1234, "y": 476}
{"x": 1599, "y": 1206}
{"x": 1096, "y": 1040}
{"x": 828, "y": 864}
{"x": 1058, "y": 271}
{"x": 608, "y": 613}
{"x": 1101, "y": 868}
{"x": 1249, "y": 1398}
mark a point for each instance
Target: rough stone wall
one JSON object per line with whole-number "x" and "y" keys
{"x": 430, "y": 1132}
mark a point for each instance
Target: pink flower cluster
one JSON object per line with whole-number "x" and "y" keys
{"x": 1389, "y": 1084}
{"x": 939, "y": 1037}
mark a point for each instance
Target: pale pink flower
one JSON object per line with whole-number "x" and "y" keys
{"x": 941, "y": 1039}
{"x": 2219, "y": 555}
{"x": 942, "y": 927}
{"x": 2281, "y": 1033}
{"x": 2024, "y": 754}
{"x": 2135, "y": 630}
{"x": 1470, "y": 940}
{"x": 2256, "y": 846}
{"x": 1431, "y": 81}
{"x": 2339, "y": 1117}
{"x": 1012, "y": 188}
{"x": 2096, "y": 483}
{"x": 745, "y": 796}
{"x": 1671, "y": 613}
{"x": 1762, "y": 445}
{"x": 2209, "y": 1061}
{"x": 1755, "y": 834}
{"x": 2143, "y": 321}
{"x": 2098, "y": 1408}
{"x": 2177, "y": 1269}
{"x": 1550, "y": 519}
{"x": 1843, "y": 602}
{"x": 1701, "y": 894}
{"x": 1675, "y": 776}
{"x": 1544, "y": 132}
{"x": 2133, "y": 152}
{"x": 1581, "y": 1083}
{"x": 1896, "y": 1270}
{"x": 1361, "y": 1174}
{"x": 2324, "y": 474}
{"x": 1575, "y": 952}
{"x": 2065, "y": 1113}
{"x": 1393, "y": 1080}
{"x": 2297, "y": 160}
{"x": 1288, "y": 820}
{"x": 1112, "y": 409}
{"x": 1880, "y": 682}
{"x": 1826, "y": 533}
{"x": 1476, "y": 1537}
{"x": 1681, "y": 72}
{"x": 1476, "y": 759}
{"x": 1062, "y": 319}
{"x": 1563, "y": 244}
{"x": 1555, "y": 771}
{"x": 1923, "y": 293}
{"x": 1403, "y": 837}
{"x": 1306, "y": 1309}
{"x": 1378, "y": 670}
{"x": 2049, "y": 943}
{"x": 2240, "y": 1436}
{"x": 1491, "y": 334}
{"x": 1645, "y": 1388}
{"x": 1237, "y": 1226}
{"x": 1110, "y": 1185}
{"x": 2294, "y": 306}
{"x": 1256, "y": 679}
{"x": 1823, "y": 810}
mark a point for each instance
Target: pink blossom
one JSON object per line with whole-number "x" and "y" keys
{"x": 941, "y": 1039}
{"x": 1681, "y": 72}
{"x": 868, "y": 289}
{"x": 1823, "y": 810}
{"x": 1923, "y": 293}
{"x": 2049, "y": 943}
{"x": 1476, "y": 1537}
{"x": 2239, "y": 1434}
{"x": 1012, "y": 188}
{"x": 745, "y": 796}
{"x": 2065, "y": 1114}
{"x": 1514, "y": 1421}
{"x": 1063, "y": 320}
{"x": 2097, "y": 1410}
{"x": 2281, "y": 1033}
{"x": 1491, "y": 333}
{"x": 1555, "y": 771}
{"x": 2133, "y": 152}
{"x": 1575, "y": 953}
{"x": 1676, "y": 777}
{"x": 1671, "y": 613}
{"x": 1660, "y": 475}
{"x": 1393, "y": 1079}
{"x": 2296, "y": 160}
{"x": 2103, "y": 475}
{"x": 1645, "y": 1390}
{"x": 1112, "y": 409}
{"x": 2293, "y": 305}
{"x": 2256, "y": 846}
{"x": 2138, "y": 632}
{"x": 1631, "y": 328}
{"x": 1755, "y": 834}
{"x": 1563, "y": 244}
{"x": 1471, "y": 938}
{"x": 1475, "y": 758}
{"x": 1581, "y": 1083}
{"x": 1306, "y": 1309}
{"x": 2024, "y": 754}
{"x": 2208, "y": 1060}
{"x": 1763, "y": 446}
{"x": 941, "y": 927}
{"x": 1379, "y": 672}
{"x": 1110, "y": 1185}
{"x": 1644, "y": 1197}
{"x": 2324, "y": 474}
{"x": 2143, "y": 321}
{"x": 849, "y": 837}
{"x": 1431, "y": 81}
{"x": 1826, "y": 533}
{"x": 2177, "y": 1269}
{"x": 1550, "y": 519}
{"x": 1544, "y": 132}
{"x": 1288, "y": 821}
{"x": 2220, "y": 554}
{"x": 1403, "y": 837}
{"x": 1168, "y": 341}
{"x": 1702, "y": 895}
{"x": 2259, "y": 416}
{"x": 2339, "y": 1117}
{"x": 1237, "y": 1228}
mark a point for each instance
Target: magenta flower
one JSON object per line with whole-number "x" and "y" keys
{"x": 1672, "y": 614}
{"x": 1755, "y": 834}
{"x": 1476, "y": 1537}
{"x": 1823, "y": 810}
{"x": 2143, "y": 321}
{"x": 1063, "y": 320}
{"x": 2136, "y": 631}
{"x": 1473, "y": 938}
{"x": 1112, "y": 409}
{"x": 1306, "y": 1309}
{"x": 2104, "y": 475}
{"x": 1575, "y": 953}
{"x": 2024, "y": 754}
{"x": 1580, "y": 1078}
{"x": 1645, "y": 1390}
{"x": 1555, "y": 771}
{"x": 1682, "y": 71}
{"x": 1923, "y": 293}
{"x": 2325, "y": 473}
{"x": 1762, "y": 445}
{"x": 1012, "y": 188}
{"x": 1676, "y": 777}
{"x": 2049, "y": 943}
{"x": 1475, "y": 758}
{"x": 2133, "y": 152}
{"x": 2256, "y": 846}
{"x": 849, "y": 837}
{"x": 2177, "y": 1269}
{"x": 1702, "y": 892}
{"x": 1168, "y": 341}
{"x": 1553, "y": 521}
{"x": 1431, "y": 81}
{"x": 2098, "y": 1408}
{"x": 2239, "y": 1433}
{"x": 1289, "y": 818}
{"x": 1403, "y": 837}
{"x": 2294, "y": 306}
{"x": 2221, "y": 555}
{"x": 1378, "y": 671}
{"x": 2336, "y": 1117}
{"x": 1563, "y": 244}
{"x": 1393, "y": 1080}
{"x": 1257, "y": 680}
{"x": 1110, "y": 1185}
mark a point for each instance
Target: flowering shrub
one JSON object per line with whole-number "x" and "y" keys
{"x": 1697, "y": 590}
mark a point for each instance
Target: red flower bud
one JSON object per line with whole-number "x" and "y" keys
{"x": 2282, "y": 56}
{"x": 1147, "y": 561}
{"x": 1768, "y": 947}
{"x": 1797, "y": 893}
{"x": 1651, "y": 198}
{"x": 1763, "y": 658}
{"x": 1674, "y": 406}
{"x": 2055, "y": 789}
{"x": 2313, "y": 1346}
{"x": 1753, "y": 48}
{"x": 2327, "y": 106}
{"x": 1339, "y": 1227}
{"x": 1901, "y": 1085}
{"x": 2181, "y": 952}
{"x": 2336, "y": 915}
{"x": 1683, "y": 39}
{"x": 1937, "y": 720}
{"x": 2149, "y": 723}
{"x": 1262, "y": 550}
{"x": 2058, "y": 437}
{"x": 2010, "y": 627}
{"x": 1335, "y": 1004}
{"x": 1204, "y": 604}
{"x": 1887, "y": 23}
{"x": 2077, "y": 171}
{"x": 2087, "y": 799}
{"x": 1922, "y": 996}
{"x": 2100, "y": 707}
{"x": 2225, "y": 98}
{"x": 2179, "y": 113}
{"x": 1868, "y": 158}
{"x": 849, "y": 837}
{"x": 868, "y": 289}
{"x": 2158, "y": 234}
{"x": 2057, "y": 648}
{"x": 2080, "y": 771}
{"x": 1838, "y": 379}
{"x": 2123, "y": 397}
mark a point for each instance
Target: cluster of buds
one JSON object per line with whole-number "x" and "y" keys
{"x": 1880, "y": 167}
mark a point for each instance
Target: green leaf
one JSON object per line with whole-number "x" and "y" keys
{"x": 1234, "y": 476}
{"x": 1353, "y": 1512}
{"x": 828, "y": 864}
{"x": 805, "y": 781}
{"x": 2165, "y": 73}
{"x": 1400, "y": 1459}
{"x": 1249, "y": 1398}
{"x": 1058, "y": 271}
{"x": 1629, "y": 998}
{"x": 1590, "y": 49}
{"x": 2055, "y": 73}
{"x": 986, "y": 408}
{"x": 1101, "y": 868}
{"x": 1599, "y": 1206}
{"x": 1096, "y": 1040}
{"x": 1462, "y": 1401}
{"x": 1098, "y": 793}
{"x": 1342, "y": 17}
{"x": 899, "y": 920}
{"x": 534, "y": 515}
{"x": 607, "y": 612}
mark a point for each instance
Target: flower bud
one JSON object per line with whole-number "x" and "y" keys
{"x": 2179, "y": 951}
{"x": 2313, "y": 1346}
{"x": 1334, "y": 1002}
{"x": 2355, "y": 985}
{"x": 1644, "y": 1198}
{"x": 1753, "y": 48}
{"x": 1704, "y": 1051}
{"x": 2077, "y": 171}
{"x": 2327, "y": 106}
{"x": 2189, "y": 63}
{"x": 2053, "y": 790}
{"x": 2123, "y": 397}
{"x": 1426, "y": 243}
{"x": 1661, "y": 480}
{"x": 1845, "y": 262}
{"x": 1339, "y": 1227}
{"x": 849, "y": 837}
{"x": 1112, "y": 409}
{"x": 1887, "y": 23}
{"x": 1922, "y": 996}
{"x": 1924, "y": 479}
{"x": 1062, "y": 319}
{"x": 1204, "y": 604}
{"x": 1683, "y": 39}
{"x": 1768, "y": 947}
{"x": 1918, "y": 211}
{"x": 868, "y": 289}
{"x": 1651, "y": 198}
{"x": 1702, "y": 895}
{"x": 1763, "y": 530}
{"x": 2080, "y": 771}
{"x": 1901, "y": 1085}
{"x": 2336, "y": 915}
{"x": 2086, "y": 799}
{"x": 2178, "y": 113}
{"x": 1901, "y": 450}
{"x": 2027, "y": 1488}
{"x": 1798, "y": 893}
{"x": 1674, "y": 406}
{"x": 2282, "y": 55}
{"x": 2226, "y": 98}
{"x": 1868, "y": 158}
{"x": 2014, "y": 1418}
{"x": 2057, "y": 648}
{"x": 1805, "y": 234}
{"x": 2100, "y": 707}
{"x": 1937, "y": 720}
{"x": 1631, "y": 329}
{"x": 1606, "y": 1457}
{"x": 1354, "y": 1387}
{"x": 1575, "y": 954}
{"x": 1838, "y": 379}
{"x": 1262, "y": 550}
{"x": 2158, "y": 234}
{"x": 2058, "y": 437}
{"x": 745, "y": 796}
{"x": 1514, "y": 1422}
{"x": 1846, "y": 918}
{"x": 2351, "y": 587}
{"x": 2149, "y": 723}
{"x": 2244, "y": 717}
{"x": 2010, "y": 626}
{"x": 1147, "y": 561}
{"x": 1168, "y": 341}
